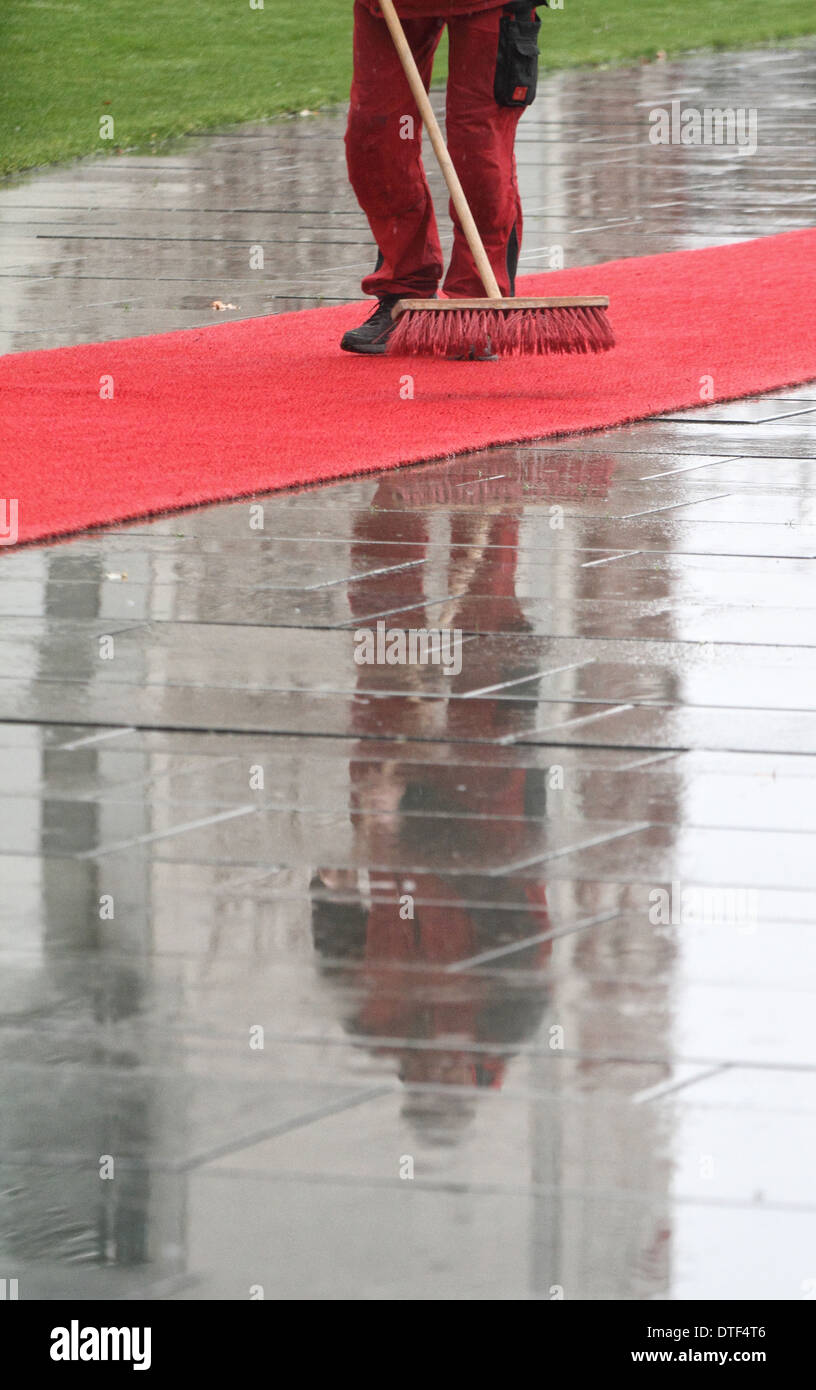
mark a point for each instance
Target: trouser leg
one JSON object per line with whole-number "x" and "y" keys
{"x": 481, "y": 140}
{"x": 384, "y": 156}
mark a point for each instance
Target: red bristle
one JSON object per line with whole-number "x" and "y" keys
{"x": 504, "y": 332}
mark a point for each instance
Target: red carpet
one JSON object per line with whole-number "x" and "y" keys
{"x": 265, "y": 403}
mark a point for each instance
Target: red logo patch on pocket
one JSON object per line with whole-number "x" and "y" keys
{"x": 520, "y": 94}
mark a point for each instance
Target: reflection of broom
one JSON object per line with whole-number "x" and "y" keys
{"x": 481, "y": 327}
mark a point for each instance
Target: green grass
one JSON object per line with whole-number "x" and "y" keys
{"x": 165, "y": 67}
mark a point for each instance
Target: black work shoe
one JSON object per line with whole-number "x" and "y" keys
{"x": 372, "y": 336}
{"x": 488, "y": 355}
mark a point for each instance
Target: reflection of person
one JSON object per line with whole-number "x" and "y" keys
{"x": 443, "y": 1028}
{"x": 406, "y": 811}
{"x": 492, "y": 77}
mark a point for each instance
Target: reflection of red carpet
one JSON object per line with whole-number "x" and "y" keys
{"x": 265, "y": 403}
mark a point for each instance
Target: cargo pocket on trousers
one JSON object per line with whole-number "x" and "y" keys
{"x": 517, "y": 60}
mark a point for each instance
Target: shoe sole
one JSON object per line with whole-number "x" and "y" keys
{"x": 364, "y": 349}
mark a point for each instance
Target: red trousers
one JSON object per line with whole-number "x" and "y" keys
{"x": 383, "y": 149}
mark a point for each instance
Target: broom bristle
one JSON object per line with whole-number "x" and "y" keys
{"x": 472, "y": 333}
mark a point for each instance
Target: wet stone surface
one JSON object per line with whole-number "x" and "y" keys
{"x": 275, "y": 921}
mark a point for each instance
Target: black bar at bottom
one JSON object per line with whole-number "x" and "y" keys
{"x": 161, "y": 1339}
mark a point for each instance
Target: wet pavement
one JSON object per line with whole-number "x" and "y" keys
{"x": 327, "y": 979}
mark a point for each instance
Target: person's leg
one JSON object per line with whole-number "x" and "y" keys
{"x": 481, "y": 139}
{"x": 383, "y": 151}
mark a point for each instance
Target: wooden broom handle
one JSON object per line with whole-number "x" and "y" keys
{"x": 449, "y": 174}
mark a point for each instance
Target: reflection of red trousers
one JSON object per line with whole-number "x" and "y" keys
{"x": 383, "y": 149}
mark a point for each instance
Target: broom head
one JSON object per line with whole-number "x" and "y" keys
{"x": 484, "y": 328}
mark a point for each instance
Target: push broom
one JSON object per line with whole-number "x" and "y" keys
{"x": 494, "y": 326}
